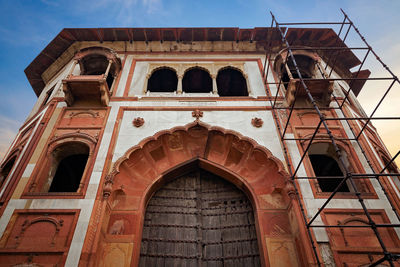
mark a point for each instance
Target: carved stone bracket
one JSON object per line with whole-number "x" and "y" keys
{"x": 137, "y": 122}
{"x": 197, "y": 114}
{"x": 108, "y": 186}
{"x": 257, "y": 122}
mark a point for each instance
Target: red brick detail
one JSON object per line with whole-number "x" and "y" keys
{"x": 358, "y": 246}
{"x": 40, "y": 237}
{"x": 257, "y": 122}
{"x": 138, "y": 121}
{"x": 86, "y": 118}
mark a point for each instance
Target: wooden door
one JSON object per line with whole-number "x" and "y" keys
{"x": 199, "y": 219}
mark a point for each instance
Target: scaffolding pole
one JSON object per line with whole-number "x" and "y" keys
{"x": 349, "y": 176}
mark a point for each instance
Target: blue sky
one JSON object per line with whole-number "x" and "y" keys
{"x": 27, "y": 26}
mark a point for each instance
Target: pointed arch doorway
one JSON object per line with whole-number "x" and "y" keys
{"x": 143, "y": 174}
{"x": 199, "y": 219}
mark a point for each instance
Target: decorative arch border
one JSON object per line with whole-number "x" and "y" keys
{"x": 255, "y": 171}
{"x": 245, "y": 76}
{"x": 157, "y": 68}
{"x": 191, "y": 126}
{"x": 281, "y": 55}
{"x": 168, "y": 154}
{"x": 40, "y": 173}
{"x": 83, "y": 138}
{"x": 354, "y": 164}
{"x": 186, "y": 70}
{"x": 99, "y": 50}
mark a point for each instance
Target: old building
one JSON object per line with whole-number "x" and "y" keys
{"x": 199, "y": 147}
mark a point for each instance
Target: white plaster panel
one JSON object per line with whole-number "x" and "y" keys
{"x": 124, "y": 75}
{"x": 272, "y": 83}
{"x": 95, "y": 177}
{"x": 202, "y": 56}
{"x": 254, "y": 79}
{"x": 138, "y": 79}
{"x": 156, "y": 121}
{"x": 28, "y": 170}
{"x": 74, "y": 254}
{"x": 80, "y": 233}
{"x": 143, "y": 102}
{"x": 91, "y": 191}
{"x": 105, "y": 141}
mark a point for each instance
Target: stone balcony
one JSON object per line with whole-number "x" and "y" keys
{"x": 320, "y": 89}
{"x": 86, "y": 89}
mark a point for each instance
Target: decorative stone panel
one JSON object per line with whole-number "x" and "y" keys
{"x": 358, "y": 246}
{"x": 39, "y": 237}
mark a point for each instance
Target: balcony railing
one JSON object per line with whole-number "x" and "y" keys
{"x": 87, "y": 88}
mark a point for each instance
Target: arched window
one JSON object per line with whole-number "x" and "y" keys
{"x": 67, "y": 167}
{"x": 325, "y": 163}
{"x": 197, "y": 80}
{"x": 311, "y": 71}
{"x": 63, "y": 167}
{"x": 305, "y": 65}
{"x": 5, "y": 171}
{"x": 162, "y": 80}
{"x": 230, "y": 82}
{"x": 97, "y": 64}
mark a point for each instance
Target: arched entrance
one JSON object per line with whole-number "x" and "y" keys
{"x": 234, "y": 162}
{"x": 199, "y": 219}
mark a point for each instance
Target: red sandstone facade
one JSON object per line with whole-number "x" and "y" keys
{"x": 124, "y": 136}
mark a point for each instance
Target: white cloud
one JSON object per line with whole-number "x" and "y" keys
{"x": 8, "y": 130}
{"x": 152, "y": 5}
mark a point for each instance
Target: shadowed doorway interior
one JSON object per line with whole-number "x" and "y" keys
{"x": 199, "y": 219}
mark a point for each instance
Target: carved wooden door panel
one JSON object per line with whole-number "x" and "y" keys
{"x": 199, "y": 220}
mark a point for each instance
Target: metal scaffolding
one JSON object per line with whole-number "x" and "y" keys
{"x": 349, "y": 177}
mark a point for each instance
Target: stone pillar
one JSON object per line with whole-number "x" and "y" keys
{"x": 179, "y": 89}
{"x": 108, "y": 69}
{"x": 72, "y": 68}
{"x": 214, "y": 84}
{"x": 145, "y": 84}
{"x": 246, "y": 77}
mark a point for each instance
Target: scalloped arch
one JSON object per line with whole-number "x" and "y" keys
{"x": 197, "y": 67}
{"x": 233, "y": 68}
{"x": 154, "y": 156}
{"x": 161, "y": 68}
{"x": 297, "y": 52}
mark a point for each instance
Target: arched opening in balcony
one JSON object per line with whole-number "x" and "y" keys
{"x": 312, "y": 74}
{"x": 162, "y": 80}
{"x": 305, "y": 65}
{"x": 96, "y": 64}
{"x": 99, "y": 67}
{"x": 231, "y": 82}
{"x": 197, "y": 80}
